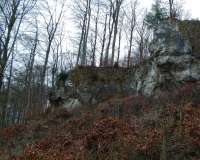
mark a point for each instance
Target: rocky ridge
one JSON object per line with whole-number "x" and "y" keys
{"x": 171, "y": 64}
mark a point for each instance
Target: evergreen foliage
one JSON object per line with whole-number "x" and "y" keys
{"x": 156, "y": 15}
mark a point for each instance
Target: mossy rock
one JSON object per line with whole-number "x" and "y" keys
{"x": 190, "y": 30}
{"x": 93, "y": 75}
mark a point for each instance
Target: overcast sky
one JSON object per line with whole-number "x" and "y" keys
{"x": 193, "y": 6}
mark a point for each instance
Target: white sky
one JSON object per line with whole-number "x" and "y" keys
{"x": 193, "y": 6}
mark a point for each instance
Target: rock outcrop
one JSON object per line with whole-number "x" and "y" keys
{"x": 171, "y": 64}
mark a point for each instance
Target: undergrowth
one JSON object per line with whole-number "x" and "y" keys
{"x": 132, "y": 127}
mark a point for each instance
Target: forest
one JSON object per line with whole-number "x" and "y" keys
{"x": 44, "y": 42}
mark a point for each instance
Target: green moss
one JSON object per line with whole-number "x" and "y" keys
{"x": 190, "y": 30}
{"x": 93, "y": 75}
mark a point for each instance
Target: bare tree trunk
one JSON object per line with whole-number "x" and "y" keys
{"x": 1, "y": 77}
{"x": 103, "y": 41}
{"x": 46, "y": 61}
{"x": 54, "y": 70}
{"x": 115, "y": 20}
{"x": 142, "y": 40}
{"x": 141, "y": 50}
{"x": 119, "y": 45}
{"x": 95, "y": 40}
{"x": 171, "y": 10}
{"x": 5, "y": 57}
{"x": 55, "y": 60}
{"x": 7, "y": 93}
{"x": 51, "y": 35}
{"x": 30, "y": 69}
{"x": 85, "y": 39}
{"x": 111, "y": 25}
{"x": 11, "y": 11}
{"x": 9, "y": 78}
{"x": 80, "y": 49}
{"x": 133, "y": 23}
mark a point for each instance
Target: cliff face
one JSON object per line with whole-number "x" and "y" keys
{"x": 190, "y": 29}
{"x": 172, "y": 63}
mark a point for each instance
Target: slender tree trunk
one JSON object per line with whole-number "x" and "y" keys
{"x": 9, "y": 79}
{"x": 116, "y": 18}
{"x": 103, "y": 41}
{"x": 141, "y": 50}
{"x": 133, "y": 23}
{"x": 80, "y": 48}
{"x": 85, "y": 41}
{"x": 130, "y": 46}
{"x": 51, "y": 31}
{"x": 171, "y": 12}
{"x": 5, "y": 56}
{"x": 111, "y": 25}
{"x": 95, "y": 41}
{"x": 30, "y": 71}
{"x": 119, "y": 45}
{"x": 1, "y": 77}
{"x": 46, "y": 61}
{"x": 55, "y": 65}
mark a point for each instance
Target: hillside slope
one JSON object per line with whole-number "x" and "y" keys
{"x": 121, "y": 128}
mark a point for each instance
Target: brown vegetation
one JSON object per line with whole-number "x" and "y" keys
{"x": 126, "y": 128}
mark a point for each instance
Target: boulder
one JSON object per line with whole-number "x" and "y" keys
{"x": 71, "y": 103}
{"x": 171, "y": 64}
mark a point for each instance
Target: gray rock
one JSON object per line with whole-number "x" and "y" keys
{"x": 172, "y": 63}
{"x": 169, "y": 41}
{"x": 71, "y": 103}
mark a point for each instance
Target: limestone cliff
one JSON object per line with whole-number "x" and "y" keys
{"x": 171, "y": 64}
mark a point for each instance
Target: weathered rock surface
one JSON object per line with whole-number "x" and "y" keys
{"x": 168, "y": 40}
{"x": 171, "y": 64}
{"x": 172, "y": 61}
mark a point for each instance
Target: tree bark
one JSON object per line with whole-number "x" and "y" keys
{"x": 115, "y": 20}
{"x": 103, "y": 41}
{"x": 111, "y": 25}
{"x": 85, "y": 39}
{"x": 95, "y": 40}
